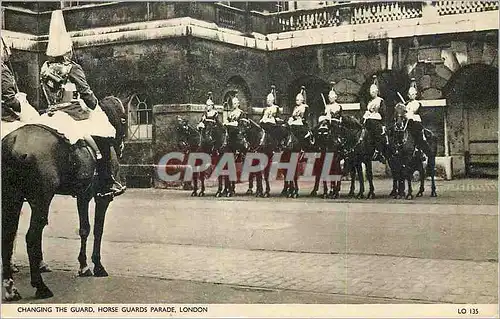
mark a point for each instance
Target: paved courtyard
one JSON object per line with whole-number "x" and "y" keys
{"x": 278, "y": 250}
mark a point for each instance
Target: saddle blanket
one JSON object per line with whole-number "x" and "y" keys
{"x": 298, "y": 121}
{"x": 60, "y": 121}
{"x": 96, "y": 123}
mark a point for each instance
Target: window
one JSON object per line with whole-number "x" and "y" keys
{"x": 140, "y": 118}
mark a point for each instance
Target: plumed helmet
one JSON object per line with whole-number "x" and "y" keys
{"x": 413, "y": 87}
{"x": 302, "y": 94}
{"x": 271, "y": 97}
{"x": 374, "y": 86}
{"x": 332, "y": 94}
{"x": 235, "y": 101}
{"x": 59, "y": 39}
{"x": 210, "y": 102}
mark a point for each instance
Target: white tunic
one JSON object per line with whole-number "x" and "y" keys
{"x": 233, "y": 117}
{"x": 269, "y": 115}
{"x": 373, "y": 108}
{"x": 298, "y": 114}
{"x": 411, "y": 110}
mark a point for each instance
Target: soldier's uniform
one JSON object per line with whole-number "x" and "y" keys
{"x": 374, "y": 121}
{"x": 232, "y": 121}
{"x": 211, "y": 114}
{"x": 64, "y": 83}
{"x": 414, "y": 121}
{"x": 16, "y": 110}
{"x": 298, "y": 121}
{"x": 270, "y": 115}
{"x": 333, "y": 110}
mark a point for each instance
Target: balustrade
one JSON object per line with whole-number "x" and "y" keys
{"x": 461, "y": 7}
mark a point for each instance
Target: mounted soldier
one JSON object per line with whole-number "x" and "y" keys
{"x": 374, "y": 122}
{"x": 211, "y": 114}
{"x": 414, "y": 121}
{"x": 233, "y": 118}
{"x": 333, "y": 110}
{"x": 270, "y": 117}
{"x": 65, "y": 86}
{"x": 16, "y": 109}
{"x": 297, "y": 121}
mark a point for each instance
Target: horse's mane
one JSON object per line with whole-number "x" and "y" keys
{"x": 113, "y": 107}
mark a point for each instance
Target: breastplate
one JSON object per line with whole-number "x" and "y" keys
{"x": 374, "y": 105}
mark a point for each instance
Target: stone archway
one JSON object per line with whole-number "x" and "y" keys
{"x": 472, "y": 98}
{"x": 237, "y": 84}
{"x": 314, "y": 88}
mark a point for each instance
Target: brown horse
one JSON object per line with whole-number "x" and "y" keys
{"x": 37, "y": 164}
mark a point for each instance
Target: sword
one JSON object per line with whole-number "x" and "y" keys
{"x": 401, "y": 97}
{"x": 324, "y": 101}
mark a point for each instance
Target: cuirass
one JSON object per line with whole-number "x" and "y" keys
{"x": 374, "y": 105}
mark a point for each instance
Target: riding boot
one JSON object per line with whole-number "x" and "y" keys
{"x": 107, "y": 183}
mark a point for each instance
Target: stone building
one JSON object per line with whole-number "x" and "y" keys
{"x": 161, "y": 58}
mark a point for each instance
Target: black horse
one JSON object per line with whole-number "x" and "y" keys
{"x": 294, "y": 144}
{"x": 38, "y": 163}
{"x": 266, "y": 141}
{"x": 189, "y": 141}
{"x": 324, "y": 136}
{"x": 406, "y": 158}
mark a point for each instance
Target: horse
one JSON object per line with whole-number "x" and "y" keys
{"x": 235, "y": 143}
{"x": 346, "y": 133}
{"x": 264, "y": 141}
{"x": 406, "y": 159}
{"x": 212, "y": 142}
{"x": 323, "y": 137}
{"x": 37, "y": 164}
{"x": 294, "y": 145}
{"x": 189, "y": 140}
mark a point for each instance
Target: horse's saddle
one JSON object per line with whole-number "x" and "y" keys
{"x": 76, "y": 109}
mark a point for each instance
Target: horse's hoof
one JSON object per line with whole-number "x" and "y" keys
{"x": 99, "y": 271}
{"x": 420, "y": 194}
{"x": 14, "y": 269}
{"x": 360, "y": 196}
{"x": 86, "y": 273}
{"x": 43, "y": 293}
{"x": 409, "y": 196}
{"x": 14, "y": 296}
{"x": 201, "y": 194}
{"x": 229, "y": 195}
{"x": 336, "y": 195}
{"x": 326, "y": 196}
{"x": 218, "y": 194}
{"x": 350, "y": 195}
{"x": 393, "y": 193}
{"x": 370, "y": 196}
{"x": 434, "y": 194}
{"x": 249, "y": 192}
{"x": 313, "y": 194}
{"x": 295, "y": 195}
{"x": 45, "y": 268}
{"x": 193, "y": 194}
{"x": 266, "y": 195}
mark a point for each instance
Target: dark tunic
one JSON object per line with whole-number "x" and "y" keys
{"x": 77, "y": 76}
{"x": 9, "y": 101}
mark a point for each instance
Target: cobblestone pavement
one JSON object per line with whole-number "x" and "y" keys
{"x": 412, "y": 251}
{"x": 357, "y": 275}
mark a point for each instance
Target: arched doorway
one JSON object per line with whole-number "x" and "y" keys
{"x": 472, "y": 99}
{"x": 314, "y": 88}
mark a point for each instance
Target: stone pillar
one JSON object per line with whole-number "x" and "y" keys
{"x": 389, "y": 54}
